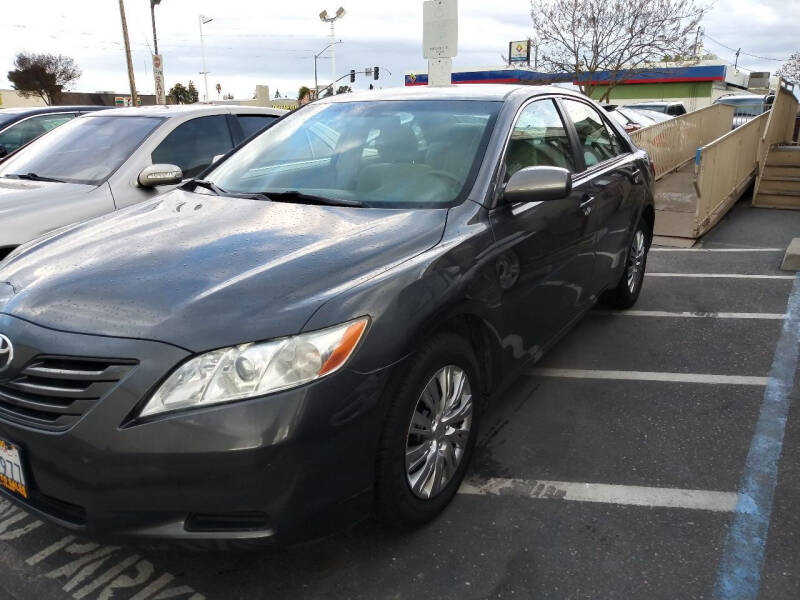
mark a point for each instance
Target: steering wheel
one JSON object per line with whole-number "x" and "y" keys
{"x": 446, "y": 175}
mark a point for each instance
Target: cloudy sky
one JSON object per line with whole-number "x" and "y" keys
{"x": 273, "y": 41}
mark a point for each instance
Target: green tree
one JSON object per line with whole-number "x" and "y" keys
{"x": 344, "y": 89}
{"x": 182, "y": 94}
{"x": 43, "y": 75}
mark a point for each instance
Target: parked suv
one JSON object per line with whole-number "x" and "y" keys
{"x": 746, "y": 106}
{"x": 108, "y": 160}
{"x": 18, "y": 126}
{"x": 312, "y": 331}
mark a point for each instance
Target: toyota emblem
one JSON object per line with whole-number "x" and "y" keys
{"x": 6, "y": 352}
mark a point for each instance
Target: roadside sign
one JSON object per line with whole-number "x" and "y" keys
{"x": 158, "y": 76}
{"x": 440, "y": 28}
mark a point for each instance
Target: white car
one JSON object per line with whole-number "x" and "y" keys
{"x": 111, "y": 159}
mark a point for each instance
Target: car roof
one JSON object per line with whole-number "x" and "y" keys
{"x": 181, "y": 110}
{"x": 742, "y": 97}
{"x": 654, "y": 103}
{"x": 35, "y": 110}
{"x": 467, "y": 91}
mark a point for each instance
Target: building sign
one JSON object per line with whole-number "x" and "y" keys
{"x": 519, "y": 52}
{"x": 158, "y": 76}
{"x": 126, "y": 101}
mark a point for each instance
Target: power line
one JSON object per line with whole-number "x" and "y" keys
{"x": 705, "y": 35}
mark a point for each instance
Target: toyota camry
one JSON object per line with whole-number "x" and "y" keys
{"x": 310, "y": 331}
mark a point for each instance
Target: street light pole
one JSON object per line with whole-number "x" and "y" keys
{"x": 202, "y": 20}
{"x": 323, "y": 16}
{"x": 131, "y": 80}
{"x": 316, "y": 56}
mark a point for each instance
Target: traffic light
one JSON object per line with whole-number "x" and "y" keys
{"x": 375, "y": 73}
{"x": 352, "y": 75}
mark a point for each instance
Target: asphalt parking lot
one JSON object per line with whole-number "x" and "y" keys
{"x": 637, "y": 460}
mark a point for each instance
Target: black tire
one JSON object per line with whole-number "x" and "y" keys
{"x": 624, "y": 295}
{"x": 396, "y": 505}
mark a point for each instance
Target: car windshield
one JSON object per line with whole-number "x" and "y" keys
{"x": 411, "y": 153}
{"x": 85, "y": 150}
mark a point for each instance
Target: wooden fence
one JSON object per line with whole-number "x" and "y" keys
{"x": 674, "y": 142}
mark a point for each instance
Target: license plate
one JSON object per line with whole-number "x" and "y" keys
{"x": 11, "y": 475}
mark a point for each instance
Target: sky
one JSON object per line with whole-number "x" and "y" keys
{"x": 273, "y": 42}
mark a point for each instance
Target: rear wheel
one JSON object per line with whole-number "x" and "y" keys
{"x": 429, "y": 434}
{"x": 630, "y": 284}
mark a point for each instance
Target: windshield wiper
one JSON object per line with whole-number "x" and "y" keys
{"x": 301, "y": 198}
{"x": 209, "y": 185}
{"x": 33, "y": 177}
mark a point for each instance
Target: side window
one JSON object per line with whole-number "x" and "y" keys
{"x": 193, "y": 144}
{"x": 29, "y": 129}
{"x": 254, "y": 123}
{"x": 539, "y": 138}
{"x": 598, "y": 142}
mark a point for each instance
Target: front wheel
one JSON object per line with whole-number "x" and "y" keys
{"x": 429, "y": 434}
{"x": 630, "y": 285}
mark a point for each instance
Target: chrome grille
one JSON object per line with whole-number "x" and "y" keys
{"x": 53, "y": 392}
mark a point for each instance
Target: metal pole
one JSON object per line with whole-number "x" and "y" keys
{"x": 203, "y": 55}
{"x": 333, "y": 57}
{"x": 134, "y": 97}
{"x": 153, "y": 18}
{"x": 316, "y": 85}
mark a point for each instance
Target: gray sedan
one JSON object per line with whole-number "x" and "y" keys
{"x": 111, "y": 159}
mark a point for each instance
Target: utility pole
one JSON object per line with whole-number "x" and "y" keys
{"x": 134, "y": 97}
{"x": 202, "y": 20}
{"x": 323, "y": 16}
{"x": 153, "y": 18}
{"x": 736, "y": 62}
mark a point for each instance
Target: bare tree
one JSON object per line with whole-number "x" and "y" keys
{"x": 608, "y": 41}
{"x": 43, "y": 75}
{"x": 790, "y": 70}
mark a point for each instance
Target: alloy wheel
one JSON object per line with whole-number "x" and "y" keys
{"x": 635, "y": 268}
{"x": 439, "y": 431}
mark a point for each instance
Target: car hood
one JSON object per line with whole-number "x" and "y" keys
{"x": 202, "y": 271}
{"x": 19, "y": 195}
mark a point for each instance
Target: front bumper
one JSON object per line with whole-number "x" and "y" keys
{"x": 288, "y": 467}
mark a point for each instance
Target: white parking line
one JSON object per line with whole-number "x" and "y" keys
{"x": 719, "y": 275}
{"x": 630, "y": 495}
{"x": 651, "y": 376}
{"x": 690, "y": 315}
{"x": 660, "y": 249}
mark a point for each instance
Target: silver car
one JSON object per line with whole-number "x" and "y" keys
{"x": 111, "y": 159}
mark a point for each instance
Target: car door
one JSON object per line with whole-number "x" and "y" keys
{"x": 192, "y": 146}
{"x": 612, "y": 184}
{"x": 545, "y": 254}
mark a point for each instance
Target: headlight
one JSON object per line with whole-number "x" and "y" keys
{"x": 257, "y": 369}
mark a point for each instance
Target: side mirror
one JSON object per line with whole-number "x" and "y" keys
{"x": 535, "y": 184}
{"x": 3, "y": 151}
{"x": 160, "y": 175}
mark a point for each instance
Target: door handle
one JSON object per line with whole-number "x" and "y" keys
{"x": 586, "y": 204}
{"x": 636, "y": 176}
